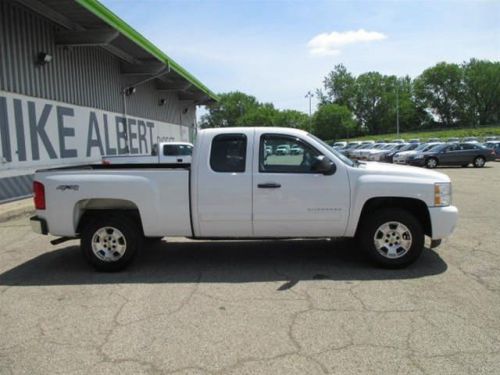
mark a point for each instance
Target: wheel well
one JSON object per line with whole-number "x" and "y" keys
{"x": 87, "y": 209}
{"x": 417, "y": 207}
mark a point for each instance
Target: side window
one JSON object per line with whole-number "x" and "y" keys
{"x": 466, "y": 146}
{"x": 228, "y": 153}
{"x": 177, "y": 150}
{"x": 282, "y": 154}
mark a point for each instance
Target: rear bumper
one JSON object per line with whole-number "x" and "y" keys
{"x": 443, "y": 221}
{"x": 39, "y": 225}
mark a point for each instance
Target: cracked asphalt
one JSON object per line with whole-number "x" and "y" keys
{"x": 262, "y": 307}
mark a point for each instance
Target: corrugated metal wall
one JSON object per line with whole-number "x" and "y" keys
{"x": 86, "y": 76}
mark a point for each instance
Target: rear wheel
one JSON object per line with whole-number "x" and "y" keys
{"x": 431, "y": 163}
{"x": 110, "y": 243}
{"x": 479, "y": 162}
{"x": 392, "y": 238}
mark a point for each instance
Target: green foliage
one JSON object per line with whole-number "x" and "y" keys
{"x": 482, "y": 89}
{"x": 440, "y": 88}
{"x": 332, "y": 121}
{"x": 444, "y": 96}
{"x": 443, "y": 134}
{"x": 239, "y": 109}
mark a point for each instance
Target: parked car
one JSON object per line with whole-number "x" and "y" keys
{"x": 433, "y": 140}
{"x": 162, "y": 153}
{"x": 453, "y": 140}
{"x": 380, "y": 155}
{"x": 402, "y": 157}
{"x": 232, "y": 192}
{"x": 495, "y": 146}
{"x": 340, "y": 144}
{"x": 453, "y": 154}
{"x": 296, "y": 150}
{"x": 414, "y": 140}
{"x": 363, "y": 154}
{"x": 470, "y": 140}
{"x": 356, "y": 153}
{"x": 388, "y": 157}
{"x": 376, "y": 154}
{"x": 283, "y": 150}
{"x": 490, "y": 139}
{"x": 398, "y": 141}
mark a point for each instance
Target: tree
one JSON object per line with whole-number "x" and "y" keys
{"x": 229, "y": 110}
{"x": 292, "y": 119}
{"x": 441, "y": 90}
{"x": 482, "y": 87}
{"x": 332, "y": 121}
{"x": 340, "y": 87}
{"x": 263, "y": 115}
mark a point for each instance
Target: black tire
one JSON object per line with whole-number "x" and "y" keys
{"x": 127, "y": 227}
{"x": 431, "y": 163}
{"x": 370, "y": 228}
{"x": 479, "y": 162}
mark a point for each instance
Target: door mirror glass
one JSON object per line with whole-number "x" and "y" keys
{"x": 323, "y": 165}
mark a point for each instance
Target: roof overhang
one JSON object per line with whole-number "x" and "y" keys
{"x": 89, "y": 23}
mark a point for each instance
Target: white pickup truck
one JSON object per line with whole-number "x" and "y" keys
{"x": 238, "y": 187}
{"x": 163, "y": 153}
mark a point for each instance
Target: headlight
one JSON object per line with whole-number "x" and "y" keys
{"x": 442, "y": 194}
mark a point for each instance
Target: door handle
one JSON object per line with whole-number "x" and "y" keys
{"x": 271, "y": 185}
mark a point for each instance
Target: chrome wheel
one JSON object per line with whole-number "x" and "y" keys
{"x": 109, "y": 244}
{"x": 479, "y": 162}
{"x": 392, "y": 240}
{"x": 432, "y": 163}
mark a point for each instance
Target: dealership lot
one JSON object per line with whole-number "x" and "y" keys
{"x": 273, "y": 307}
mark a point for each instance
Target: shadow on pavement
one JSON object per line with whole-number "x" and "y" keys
{"x": 290, "y": 261}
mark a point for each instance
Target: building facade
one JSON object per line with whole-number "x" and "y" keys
{"x": 76, "y": 83}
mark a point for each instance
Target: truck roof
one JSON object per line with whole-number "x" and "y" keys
{"x": 247, "y": 128}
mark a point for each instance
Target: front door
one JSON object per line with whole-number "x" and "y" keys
{"x": 289, "y": 199}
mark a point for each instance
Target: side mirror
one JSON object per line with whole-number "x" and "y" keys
{"x": 323, "y": 165}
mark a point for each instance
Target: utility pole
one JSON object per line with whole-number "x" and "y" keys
{"x": 309, "y": 95}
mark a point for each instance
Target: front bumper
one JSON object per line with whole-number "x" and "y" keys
{"x": 416, "y": 162}
{"x": 38, "y": 225}
{"x": 443, "y": 221}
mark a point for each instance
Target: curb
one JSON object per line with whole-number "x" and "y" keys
{"x": 11, "y": 210}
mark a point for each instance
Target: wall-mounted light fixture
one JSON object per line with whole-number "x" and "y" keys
{"x": 43, "y": 58}
{"x": 162, "y": 102}
{"x": 129, "y": 91}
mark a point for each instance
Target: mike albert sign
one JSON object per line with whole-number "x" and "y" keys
{"x": 37, "y": 132}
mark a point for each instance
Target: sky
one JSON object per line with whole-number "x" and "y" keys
{"x": 279, "y": 50}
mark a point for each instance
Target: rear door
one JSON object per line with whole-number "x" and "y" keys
{"x": 289, "y": 200}
{"x": 224, "y": 191}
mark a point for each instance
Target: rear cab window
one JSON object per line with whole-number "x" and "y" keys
{"x": 228, "y": 153}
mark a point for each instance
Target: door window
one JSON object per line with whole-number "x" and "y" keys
{"x": 284, "y": 154}
{"x": 228, "y": 153}
{"x": 177, "y": 150}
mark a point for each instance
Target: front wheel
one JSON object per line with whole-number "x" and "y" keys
{"x": 110, "y": 243}
{"x": 392, "y": 238}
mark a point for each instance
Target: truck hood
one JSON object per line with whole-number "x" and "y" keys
{"x": 395, "y": 170}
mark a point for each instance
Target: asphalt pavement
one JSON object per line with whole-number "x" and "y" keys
{"x": 258, "y": 307}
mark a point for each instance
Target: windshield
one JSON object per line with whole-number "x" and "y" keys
{"x": 342, "y": 158}
{"x": 423, "y": 146}
{"x": 435, "y": 147}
